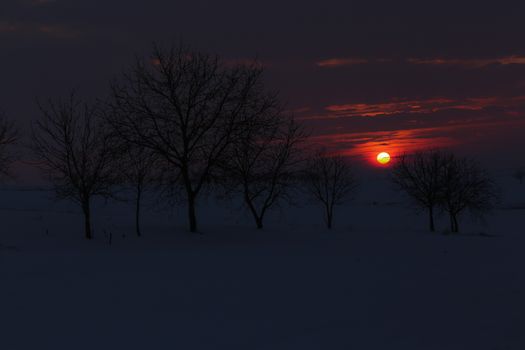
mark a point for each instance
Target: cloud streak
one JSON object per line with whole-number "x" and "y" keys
{"x": 469, "y": 63}
{"x": 366, "y": 145}
{"x": 341, "y": 62}
{"x": 363, "y": 130}
{"x": 419, "y": 106}
{"x": 49, "y": 30}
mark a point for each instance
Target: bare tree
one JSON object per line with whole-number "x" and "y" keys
{"x": 185, "y": 106}
{"x": 331, "y": 181}
{"x": 8, "y": 137}
{"x": 464, "y": 186}
{"x": 138, "y": 169}
{"x": 519, "y": 175}
{"x": 75, "y": 153}
{"x": 263, "y": 163}
{"x": 419, "y": 176}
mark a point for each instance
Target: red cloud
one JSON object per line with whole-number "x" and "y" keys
{"x": 368, "y": 144}
{"x": 469, "y": 63}
{"x": 338, "y": 62}
{"x": 419, "y": 106}
{"x": 55, "y": 31}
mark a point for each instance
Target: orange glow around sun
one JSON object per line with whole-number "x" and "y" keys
{"x": 383, "y": 158}
{"x": 366, "y": 146}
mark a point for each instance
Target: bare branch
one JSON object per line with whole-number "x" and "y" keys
{"x": 8, "y": 138}
{"x": 186, "y": 107}
{"x": 331, "y": 181}
{"x": 466, "y": 186}
{"x": 74, "y": 152}
{"x": 419, "y": 176}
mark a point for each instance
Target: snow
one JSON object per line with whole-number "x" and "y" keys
{"x": 378, "y": 281}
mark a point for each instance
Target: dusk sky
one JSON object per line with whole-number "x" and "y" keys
{"x": 166, "y": 202}
{"x": 365, "y": 76}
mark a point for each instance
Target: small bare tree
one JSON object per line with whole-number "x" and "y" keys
{"x": 75, "y": 152}
{"x": 331, "y": 181}
{"x": 263, "y": 162}
{"x": 8, "y": 137}
{"x": 419, "y": 176}
{"x": 186, "y": 106}
{"x": 519, "y": 175}
{"x": 138, "y": 169}
{"x": 465, "y": 186}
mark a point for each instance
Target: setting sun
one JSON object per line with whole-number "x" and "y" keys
{"x": 383, "y": 158}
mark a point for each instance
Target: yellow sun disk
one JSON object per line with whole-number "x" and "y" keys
{"x": 383, "y": 158}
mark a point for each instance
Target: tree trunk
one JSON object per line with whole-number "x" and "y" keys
{"x": 258, "y": 218}
{"x": 191, "y": 199}
{"x": 329, "y": 216}
{"x": 431, "y": 219}
{"x": 259, "y": 223}
{"x": 192, "y": 217}
{"x": 137, "y": 211}
{"x": 86, "y": 208}
{"x": 456, "y": 225}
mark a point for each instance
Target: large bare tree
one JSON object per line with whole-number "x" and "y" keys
{"x": 8, "y": 137}
{"x": 331, "y": 181}
{"x": 187, "y": 107}
{"x": 419, "y": 176}
{"x": 466, "y": 186}
{"x": 263, "y": 163}
{"x": 74, "y": 150}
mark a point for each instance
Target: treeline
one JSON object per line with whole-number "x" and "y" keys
{"x": 440, "y": 180}
{"x": 187, "y": 123}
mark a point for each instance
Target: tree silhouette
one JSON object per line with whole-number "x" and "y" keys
{"x": 419, "y": 176}
{"x": 519, "y": 174}
{"x": 331, "y": 181}
{"x": 137, "y": 168}
{"x": 465, "y": 186}
{"x": 8, "y": 137}
{"x": 262, "y": 164}
{"x": 185, "y": 106}
{"x": 74, "y": 150}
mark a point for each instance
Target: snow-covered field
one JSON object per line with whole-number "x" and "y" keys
{"x": 378, "y": 281}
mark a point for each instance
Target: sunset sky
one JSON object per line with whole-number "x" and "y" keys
{"x": 364, "y": 76}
